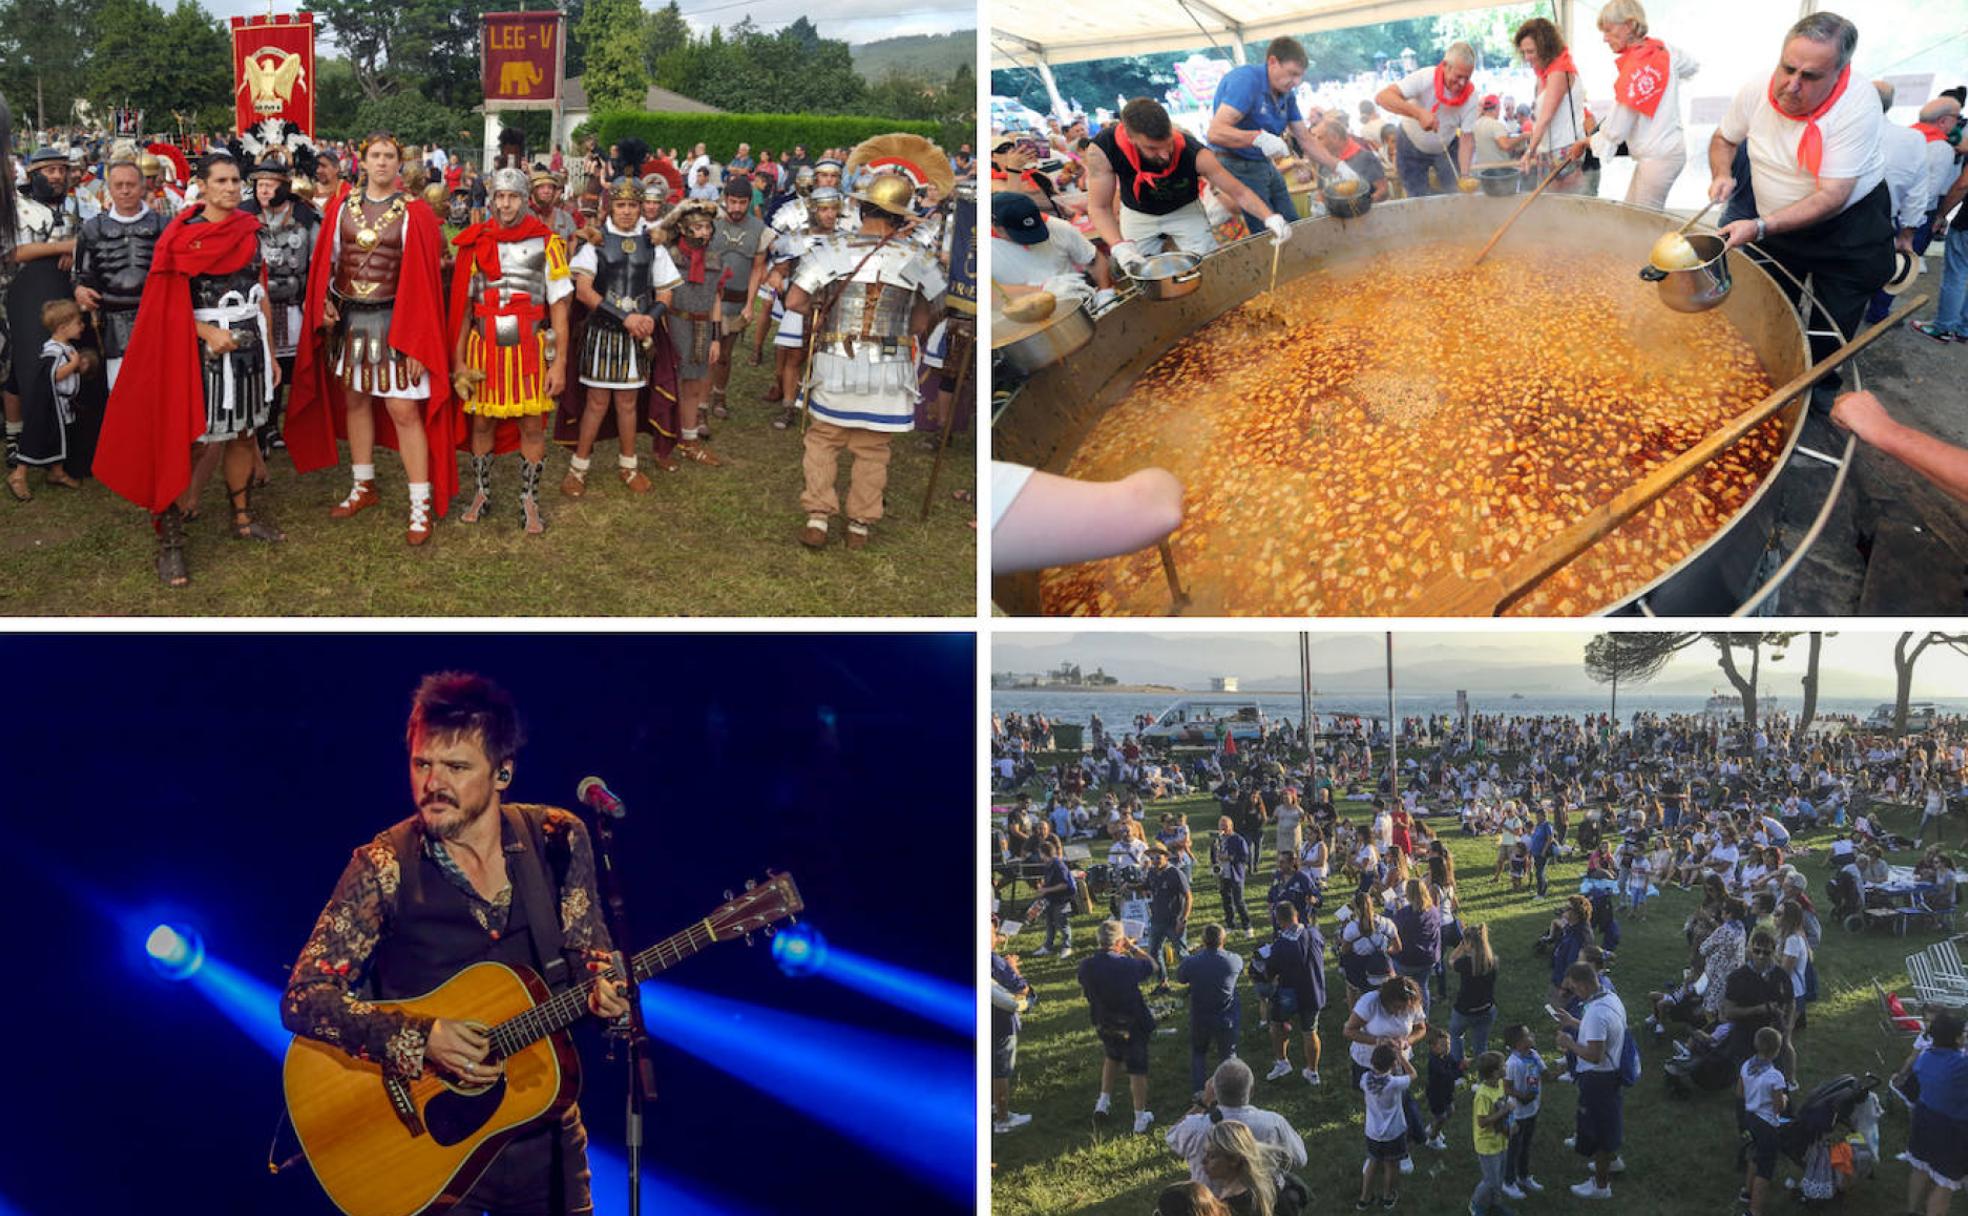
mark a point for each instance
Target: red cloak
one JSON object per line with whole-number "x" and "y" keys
{"x": 317, "y": 411}
{"x": 156, "y": 414}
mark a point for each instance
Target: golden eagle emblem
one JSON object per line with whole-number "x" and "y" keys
{"x": 271, "y": 74}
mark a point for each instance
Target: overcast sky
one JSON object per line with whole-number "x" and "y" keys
{"x": 1853, "y": 664}
{"x": 847, "y": 20}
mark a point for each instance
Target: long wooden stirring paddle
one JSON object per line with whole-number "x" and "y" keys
{"x": 1456, "y": 596}
{"x": 1549, "y": 178}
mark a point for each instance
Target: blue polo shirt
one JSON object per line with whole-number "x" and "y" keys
{"x": 1247, "y": 90}
{"x": 1232, "y": 853}
{"x": 1212, "y": 979}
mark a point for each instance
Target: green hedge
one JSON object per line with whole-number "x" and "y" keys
{"x": 722, "y": 133}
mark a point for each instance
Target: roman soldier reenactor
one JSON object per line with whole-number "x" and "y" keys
{"x": 625, "y": 280}
{"x": 693, "y": 319}
{"x": 741, "y": 242}
{"x": 509, "y": 311}
{"x": 823, "y": 208}
{"x": 374, "y": 332}
{"x": 288, "y": 228}
{"x": 869, "y": 298}
{"x": 545, "y": 204}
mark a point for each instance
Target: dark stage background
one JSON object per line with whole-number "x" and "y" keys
{"x": 223, "y": 781}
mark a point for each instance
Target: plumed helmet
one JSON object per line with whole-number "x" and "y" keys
{"x": 151, "y": 166}
{"x": 901, "y": 163}
{"x": 434, "y": 195}
{"x": 507, "y": 180}
{"x": 655, "y": 189}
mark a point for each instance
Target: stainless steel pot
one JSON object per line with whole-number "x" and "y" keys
{"x": 1347, "y": 206}
{"x": 1051, "y": 414}
{"x": 1069, "y": 328}
{"x": 1697, "y": 289}
{"x": 1499, "y": 181}
{"x": 1168, "y": 276}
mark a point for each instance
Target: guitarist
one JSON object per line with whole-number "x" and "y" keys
{"x": 467, "y": 879}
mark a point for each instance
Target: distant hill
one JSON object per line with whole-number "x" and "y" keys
{"x": 932, "y": 56}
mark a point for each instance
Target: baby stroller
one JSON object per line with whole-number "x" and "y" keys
{"x": 1822, "y": 1126}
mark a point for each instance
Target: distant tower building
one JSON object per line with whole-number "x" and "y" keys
{"x": 1223, "y": 683}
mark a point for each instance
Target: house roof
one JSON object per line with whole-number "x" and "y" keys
{"x": 658, "y": 101}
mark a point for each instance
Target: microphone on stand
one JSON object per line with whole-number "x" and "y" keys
{"x": 602, "y": 799}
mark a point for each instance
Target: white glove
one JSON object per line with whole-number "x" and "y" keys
{"x": 1271, "y": 145}
{"x": 1603, "y": 145}
{"x": 1345, "y": 172}
{"x": 1280, "y": 230}
{"x": 1127, "y": 257}
{"x": 1068, "y": 286}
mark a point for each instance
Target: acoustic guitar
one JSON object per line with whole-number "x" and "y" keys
{"x": 386, "y": 1146}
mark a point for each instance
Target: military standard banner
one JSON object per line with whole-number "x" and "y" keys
{"x": 520, "y": 59}
{"x": 273, "y": 70}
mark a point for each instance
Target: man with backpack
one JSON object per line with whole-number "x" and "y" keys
{"x": 1599, "y": 1042}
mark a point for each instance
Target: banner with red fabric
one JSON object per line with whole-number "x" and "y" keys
{"x": 273, "y": 70}
{"x": 520, "y": 59}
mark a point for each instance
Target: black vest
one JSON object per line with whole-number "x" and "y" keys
{"x": 1170, "y": 193}
{"x": 622, "y": 272}
{"x": 113, "y": 256}
{"x": 207, "y": 290}
{"x": 432, "y": 935}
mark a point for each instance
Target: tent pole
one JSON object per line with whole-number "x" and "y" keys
{"x": 1059, "y": 107}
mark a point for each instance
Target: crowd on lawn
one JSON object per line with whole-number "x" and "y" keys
{"x": 1660, "y": 801}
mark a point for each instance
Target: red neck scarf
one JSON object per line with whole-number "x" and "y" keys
{"x": 693, "y": 258}
{"x": 1642, "y": 78}
{"x": 1931, "y": 131}
{"x": 153, "y": 419}
{"x": 1810, "y": 145}
{"x": 1146, "y": 177}
{"x": 1445, "y": 98}
{"x": 1561, "y": 64}
{"x": 1352, "y": 149}
{"x": 481, "y": 241}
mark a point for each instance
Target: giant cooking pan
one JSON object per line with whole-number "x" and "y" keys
{"x": 1049, "y": 418}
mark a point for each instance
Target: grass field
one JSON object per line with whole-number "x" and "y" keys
{"x": 705, "y": 542}
{"x": 1679, "y": 1151}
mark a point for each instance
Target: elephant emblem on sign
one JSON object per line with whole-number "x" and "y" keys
{"x": 518, "y": 76}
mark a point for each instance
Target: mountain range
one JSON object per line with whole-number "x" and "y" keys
{"x": 933, "y": 57}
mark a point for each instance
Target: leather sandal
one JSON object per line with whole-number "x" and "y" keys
{"x": 857, "y": 535}
{"x": 573, "y": 485}
{"x": 696, "y": 451}
{"x": 360, "y": 499}
{"x": 635, "y": 480}
{"x": 59, "y": 477}
{"x": 718, "y": 408}
{"x": 245, "y": 526}
{"x": 482, "y": 492}
{"x": 419, "y": 530}
{"x": 531, "y": 517}
{"x": 814, "y": 534}
{"x": 171, "y": 567}
{"x": 17, "y": 484}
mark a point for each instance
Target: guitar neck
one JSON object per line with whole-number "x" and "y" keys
{"x": 566, "y": 1008}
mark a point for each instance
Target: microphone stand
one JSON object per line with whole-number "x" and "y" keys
{"x": 635, "y": 1035}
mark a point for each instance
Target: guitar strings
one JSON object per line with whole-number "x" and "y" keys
{"x": 561, "y": 1010}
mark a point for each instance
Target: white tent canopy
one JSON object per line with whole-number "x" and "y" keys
{"x": 1028, "y": 33}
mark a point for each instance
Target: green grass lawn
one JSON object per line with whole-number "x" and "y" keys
{"x": 1679, "y": 1151}
{"x": 705, "y": 542}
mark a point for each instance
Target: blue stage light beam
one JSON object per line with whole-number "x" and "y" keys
{"x": 802, "y": 951}
{"x": 938, "y": 1000}
{"x": 660, "y": 1192}
{"x": 8, "y": 1209}
{"x": 178, "y": 953}
{"x": 908, "y": 1101}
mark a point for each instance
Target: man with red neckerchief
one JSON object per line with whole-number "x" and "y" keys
{"x": 1821, "y": 204}
{"x": 378, "y": 369}
{"x": 1144, "y": 187}
{"x": 1431, "y": 103}
{"x": 509, "y": 311}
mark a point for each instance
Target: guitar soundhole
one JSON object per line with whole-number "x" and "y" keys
{"x": 453, "y": 1117}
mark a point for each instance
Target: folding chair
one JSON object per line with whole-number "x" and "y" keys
{"x": 1894, "y": 1017}
{"x": 1929, "y": 989}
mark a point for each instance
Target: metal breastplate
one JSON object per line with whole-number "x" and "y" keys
{"x": 118, "y": 254}
{"x": 367, "y": 268}
{"x": 734, "y": 245}
{"x": 286, "y": 248}
{"x": 622, "y": 270}
{"x": 872, "y": 311}
{"x": 522, "y": 268}
{"x": 208, "y": 290}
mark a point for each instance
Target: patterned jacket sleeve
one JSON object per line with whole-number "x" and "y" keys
{"x": 320, "y": 1001}
{"x": 581, "y": 923}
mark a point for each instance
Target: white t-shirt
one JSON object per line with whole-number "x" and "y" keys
{"x": 1384, "y": 1118}
{"x": 1380, "y": 1024}
{"x": 1796, "y": 946}
{"x": 1007, "y": 482}
{"x": 1762, "y": 1081}
{"x": 1419, "y": 87}
{"x": 1852, "y": 147}
{"x": 1905, "y": 150}
{"x": 1941, "y": 171}
{"x": 1063, "y": 252}
{"x": 1604, "y": 1019}
{"x": 1567, "y": 124}
{"x": 1488, "y": 151}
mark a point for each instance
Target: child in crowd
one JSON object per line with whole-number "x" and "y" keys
{"x": 1523, "y": 1081}
{"x": 1639, "y": 877}
{"x": 62, "y": 367}
{"x": 1387, "y": 1127}
{"x": 1520, "y": 865}
{"x": 1443, "y": 1073}
{"x": 1491, "y": 1117}
{"x": 1762, "y": 1089}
